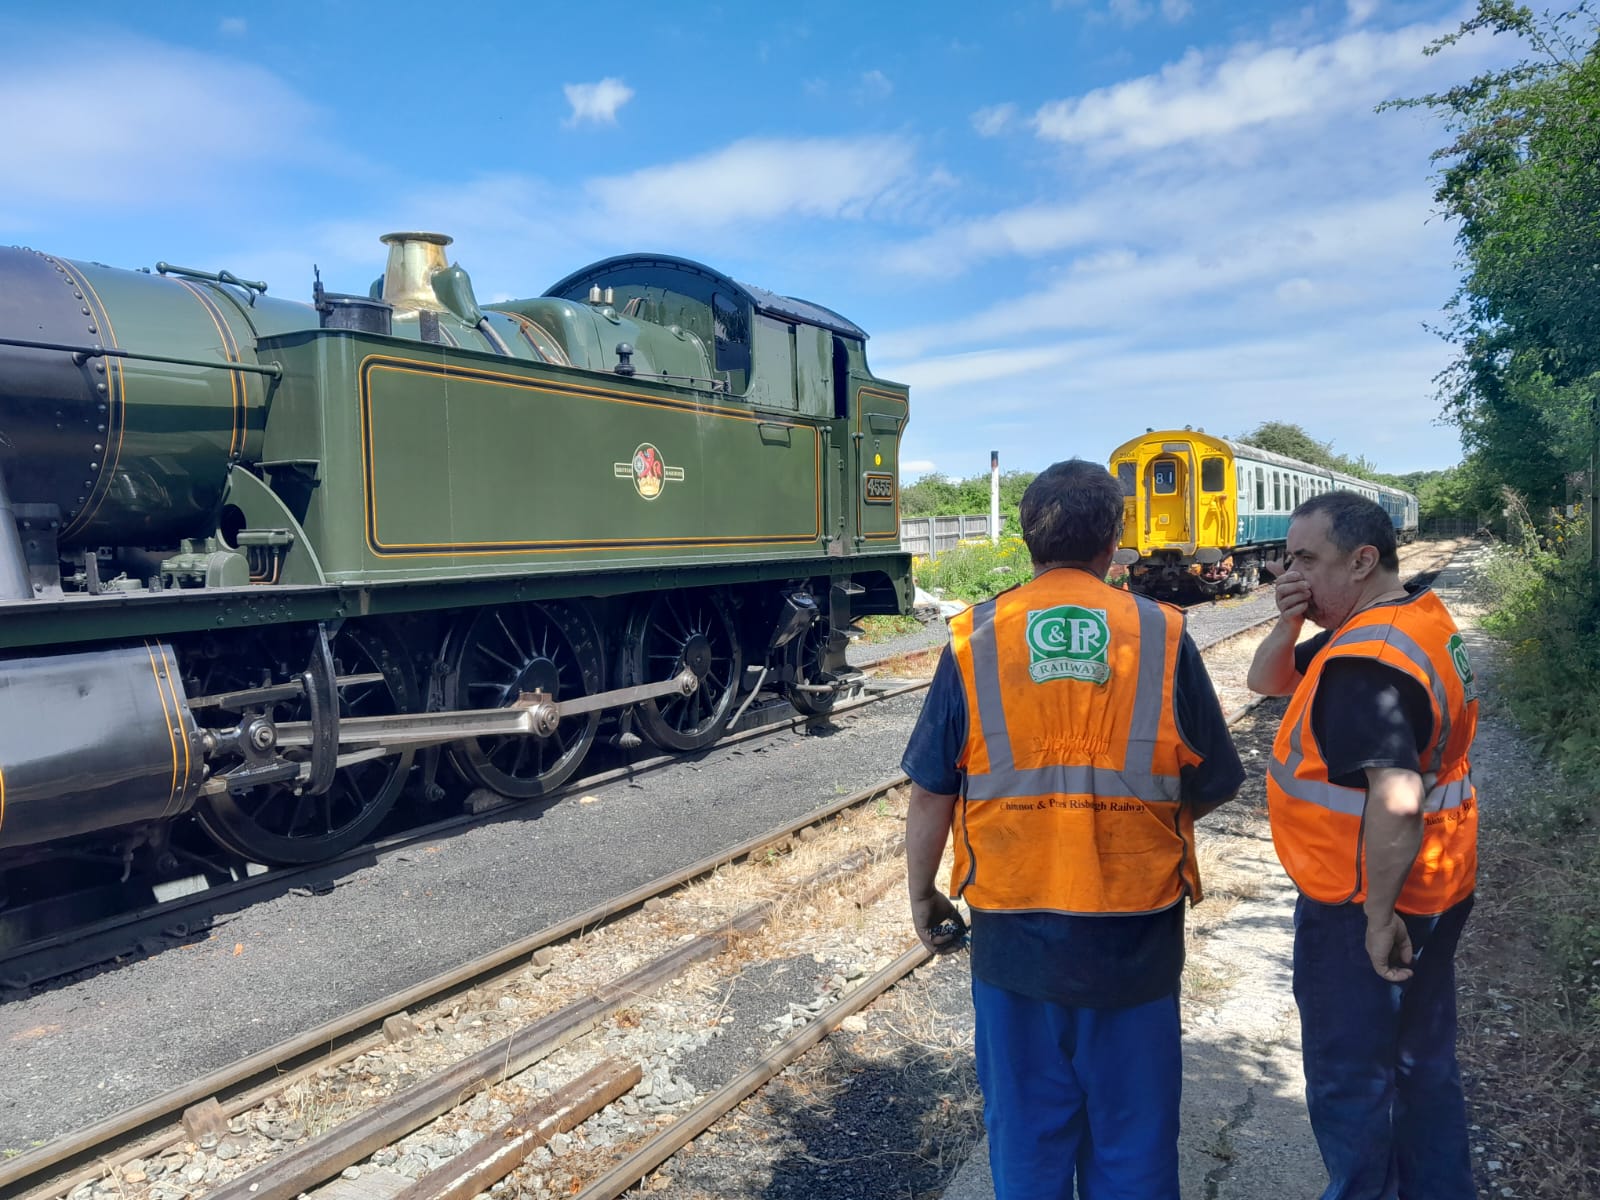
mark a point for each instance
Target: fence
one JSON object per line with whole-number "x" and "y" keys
{"x": 1449, "y": 527}
{"x": 927, "y": 536}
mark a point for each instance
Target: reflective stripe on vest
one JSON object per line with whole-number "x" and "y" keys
{"x": 1323, "y": 853}
{"x": 1137, "y": 777}
{"x": 1088, "y": 821}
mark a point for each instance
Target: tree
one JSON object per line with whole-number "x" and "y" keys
{"x": 1284, "y": 437}
{"x": 1521, "y": 176}
{"x": 937, "y": 495}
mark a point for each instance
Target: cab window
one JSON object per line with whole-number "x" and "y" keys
{"x": 1125, "y": 478}
{"x": 1164, "y": 475}
{"x": 731, "y": 327}
{"x": 1211, "y": 474}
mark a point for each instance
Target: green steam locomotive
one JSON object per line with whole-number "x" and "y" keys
{"x": 264, "y": 565}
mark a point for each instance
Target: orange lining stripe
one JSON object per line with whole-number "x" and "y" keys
{"x": 171, "y": 665}
{"x": 172, "y": 741}
{"x": 230, "y": 351}
{"x": 375, "y": 362}
{"x": 116, "y": 406}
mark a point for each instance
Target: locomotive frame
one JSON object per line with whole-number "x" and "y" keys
{"x": 266, "y": 565}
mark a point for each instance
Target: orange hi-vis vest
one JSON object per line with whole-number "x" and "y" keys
{"x": 1070, "y": 802}
{"x": 1318, "y": 826}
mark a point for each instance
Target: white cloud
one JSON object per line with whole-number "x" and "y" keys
{"x": 148, "y": 124}
{"x": 233, "y": 27}
{"x": 761, "y": 179}
{"x": 875, "y": 85}
{"x": 993, "y": 120}
{"x": 1225, "y": 267}
{"x": 1130, "y": 12}
{"x": 596, "y": 102}
{"x": 1029, "y": 231}
{"x": 917, "y": 466}
{"x": 1359, "y": 12}
{"x": 1203, "y": 96}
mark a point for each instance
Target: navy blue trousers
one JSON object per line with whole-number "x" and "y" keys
{"x": 1382, "y": 1084}
{"x": 1085, "y": 1093}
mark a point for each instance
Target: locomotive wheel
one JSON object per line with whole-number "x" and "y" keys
{"x": 495, "y": 656}
{"x": 674, "y": 630}
{"x": 813, "y": 652}
{"x": 270, "y": 824}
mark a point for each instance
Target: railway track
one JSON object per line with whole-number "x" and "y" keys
{"x": 232, "y": 1106}
{"x": 208, "y": 1105}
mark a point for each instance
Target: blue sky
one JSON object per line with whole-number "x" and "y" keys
{"x": 1061, "y": 221}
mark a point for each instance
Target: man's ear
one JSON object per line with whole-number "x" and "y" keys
{"x": 1366, "y": 561}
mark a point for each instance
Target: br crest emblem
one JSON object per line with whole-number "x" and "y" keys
{"x": 648, "y": 470}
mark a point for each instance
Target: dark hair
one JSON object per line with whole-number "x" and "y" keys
{"x": 1071, "y": 512}
{"x": 1354, "y": 521}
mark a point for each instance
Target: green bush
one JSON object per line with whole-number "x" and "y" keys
{"x": 976, "y": 571}
{"x": 1547, "y": 610}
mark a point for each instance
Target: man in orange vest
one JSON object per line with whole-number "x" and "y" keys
{"x": 1071, "y": 736}
{"x": 1375, "y": 819}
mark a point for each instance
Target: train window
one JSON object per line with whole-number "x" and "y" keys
{"x": 1261, "y": 489}
{"x": 732, "y": 328}
{"x": 1164, "y": 475}
{"x": 1244, "y": 497}
{"x": 1212, "y": 474}
{"x": 1277, "y": 491}
{"x": 1297, "y": 491}
{"x": 1125, "y": 477}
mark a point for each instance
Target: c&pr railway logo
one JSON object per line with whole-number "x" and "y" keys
{"x": 1068, "y": 642}
{"x": 648, "y": 470}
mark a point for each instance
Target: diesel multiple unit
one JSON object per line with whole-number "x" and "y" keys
{"x": 1201, "y": 513}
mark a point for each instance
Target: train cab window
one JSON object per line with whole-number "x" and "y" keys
{"x": 1164, "y": 477}
{"x": 1126, "y": 478}
{"x": 1261, "y": 490}
{"x": 1212, "y": 473}
{"x": 731, "y": 325}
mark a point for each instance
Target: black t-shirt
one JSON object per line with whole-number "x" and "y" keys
{"x": 1365, "y": 714}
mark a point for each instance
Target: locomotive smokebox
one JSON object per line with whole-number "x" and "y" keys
{"x": 124, "y": 397}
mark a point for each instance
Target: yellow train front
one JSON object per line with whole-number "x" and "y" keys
{"x": 1202, "y": 513}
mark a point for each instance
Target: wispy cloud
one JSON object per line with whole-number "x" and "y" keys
{"x": 596, "y": 103}
{"x": 233, "y": 26}
{"x": 149, "y": 123}
{"x": 994, "y": 120}
{"x": 875, "y": 85}
{"x": 761, "y": 179}
{"x": 1205, "y": 96}
{"x": 1359, "y": 12}
{"x": 1132, "y": 12}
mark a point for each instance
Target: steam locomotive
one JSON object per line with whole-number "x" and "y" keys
{"x": 267, "y": 565}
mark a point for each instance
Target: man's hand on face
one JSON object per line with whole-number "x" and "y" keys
{"x": 1290, "y": 589}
